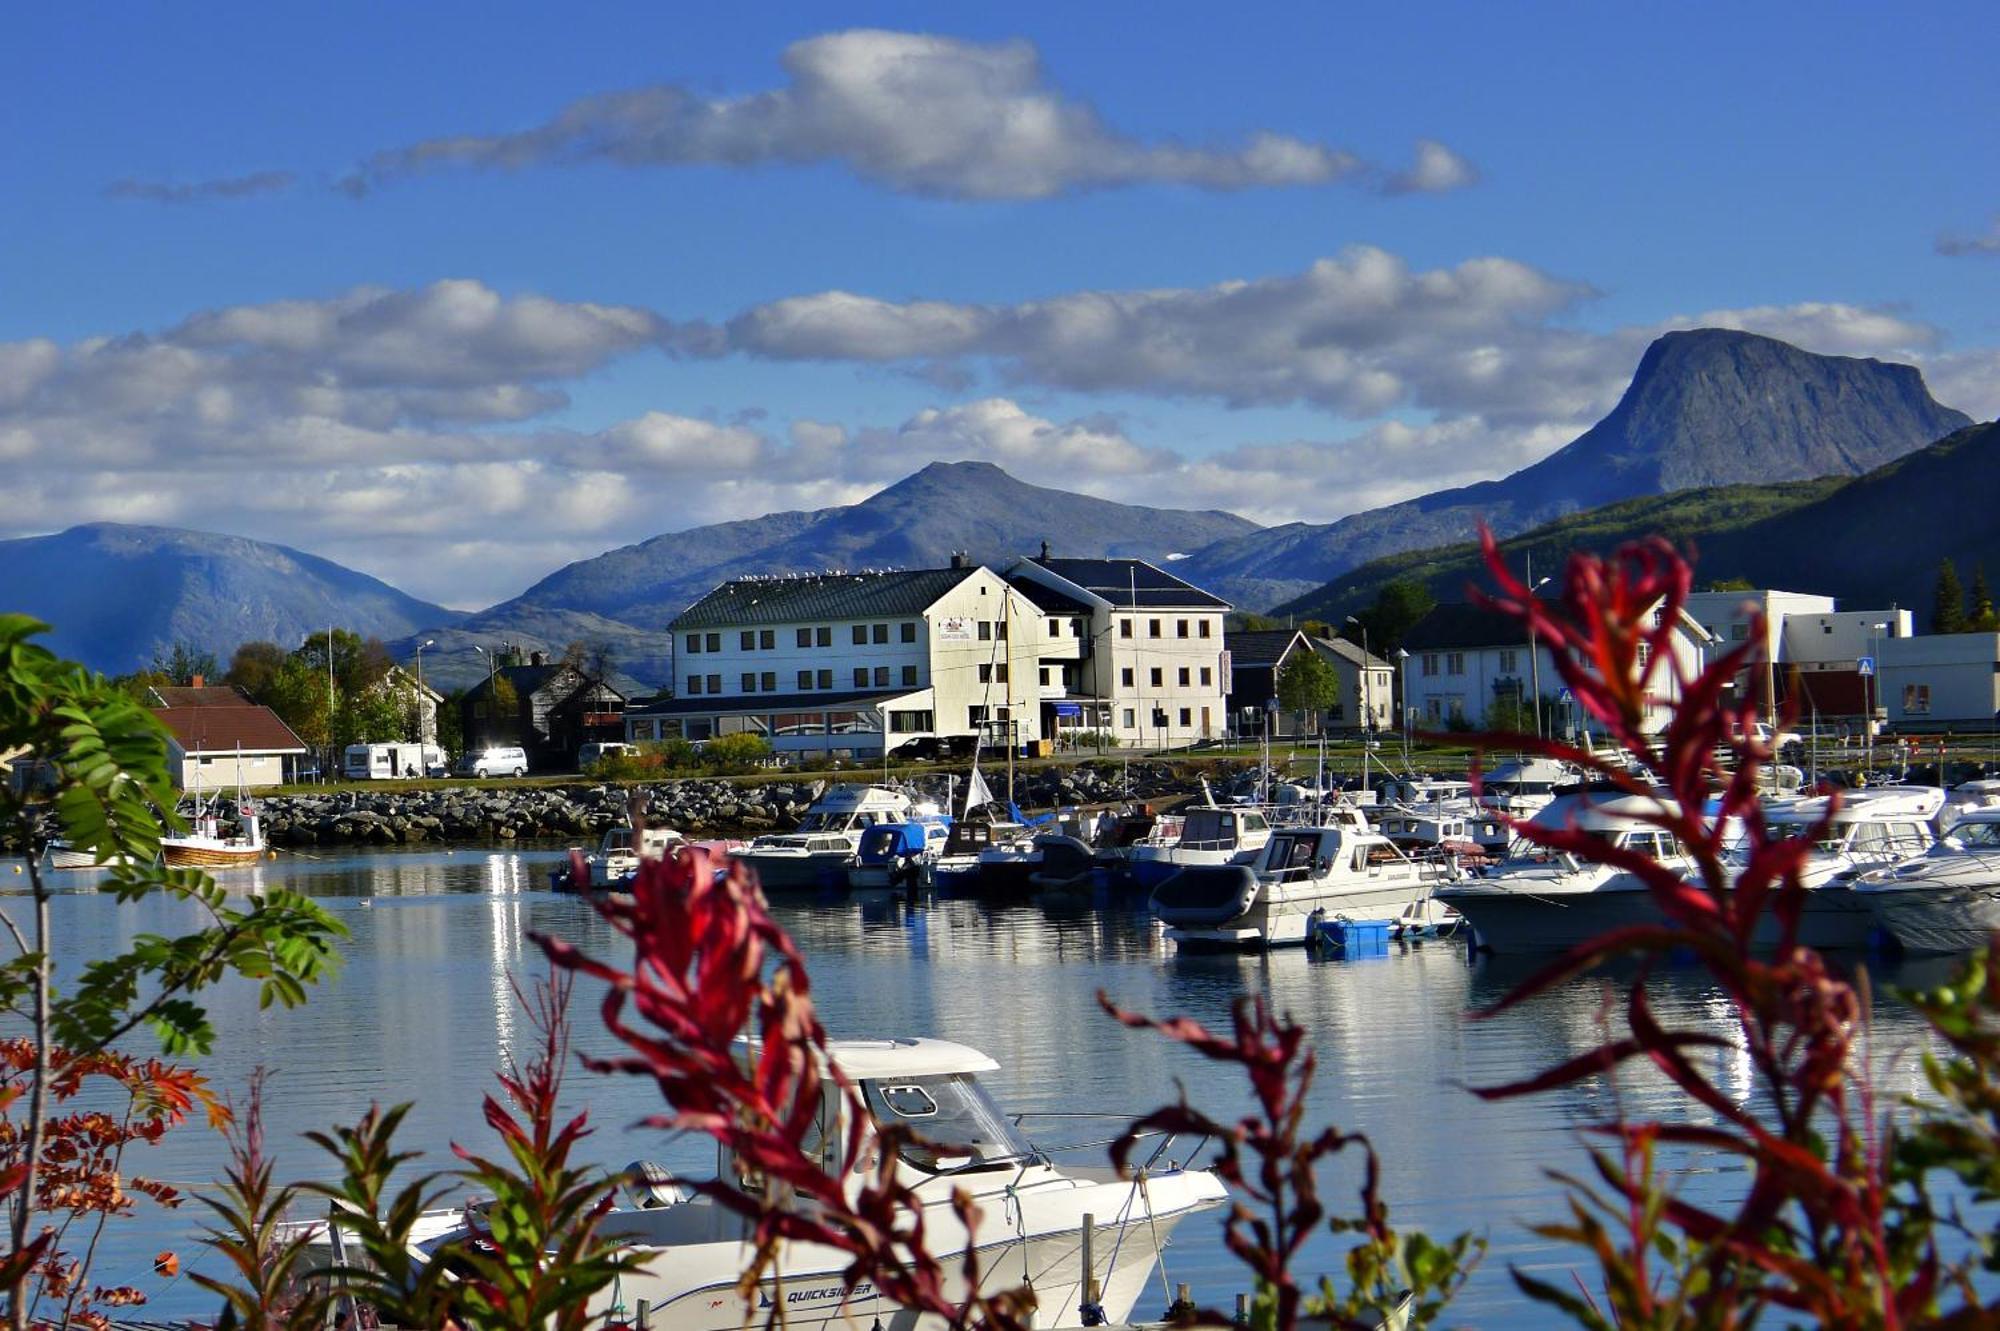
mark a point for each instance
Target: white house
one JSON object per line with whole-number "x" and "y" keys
{"x": 848, "y": 664}
{"x": 219, "y": 739}
{"x": 1143, "y": 649}
{"x": 1464, "y": 658}
{"x": 1812, "y": 646}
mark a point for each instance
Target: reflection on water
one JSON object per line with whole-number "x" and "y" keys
{"x": 423, "y": 1012}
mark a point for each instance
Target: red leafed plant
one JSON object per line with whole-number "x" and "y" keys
{"x": 81, "y": 1183}
{"x": 709, "y": 965}
{"x": 1817, "y": 1231}
{"x": 1273, "y": 1054}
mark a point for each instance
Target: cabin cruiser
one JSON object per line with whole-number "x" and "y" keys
{"x": 1468, "y": 834}
{"x": 1542, "y": 900}
{"x": 897, "y": 855}
{"x": 1948, "y": 898}
{"x": 1523, "y": 789}
{"x": 1342, "y": 868}
{"x": 817, "y": 852}
{"x": 1863, "y": 830}
{"x": 1209, "y": 835}
{"x": 690, "y": 1251}
{"x": 617, "y": 858}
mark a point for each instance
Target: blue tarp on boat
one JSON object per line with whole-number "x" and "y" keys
{"x": 886, "y": 841}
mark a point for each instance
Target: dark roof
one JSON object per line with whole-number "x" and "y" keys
{"x": 220, "y": 730}
{"x": 1048, "y": 598}
{"x": 1132, "y": 583}
{"x": 1461, "y": 624}
{"x": 766, "y": 702}
{"x": 208, "y": 695}
{"x": 820, "y": 596}
{"x": 1258, "y": 647}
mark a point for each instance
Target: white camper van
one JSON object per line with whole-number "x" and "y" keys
{"x": 392, "y": 762}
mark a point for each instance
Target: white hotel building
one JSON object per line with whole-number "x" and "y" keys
{"x": 848, "y": 664}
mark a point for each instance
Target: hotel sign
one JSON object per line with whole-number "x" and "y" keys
{"x": 955, "y": 628}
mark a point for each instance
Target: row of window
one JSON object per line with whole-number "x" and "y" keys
{"x": 1159, "y": 718}
{"x": 1157, "y": 677}
{"x": 1154, "y": 628}
{"x": 819, "y": 635}
{"x": 810, "y": 680}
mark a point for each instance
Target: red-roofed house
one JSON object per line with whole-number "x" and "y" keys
{"x": 221, "y": 739}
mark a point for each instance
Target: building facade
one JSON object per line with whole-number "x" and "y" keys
{"x": 851, "y": 665}
{"x": 1465, "y": 659}
{"x": 1814, "y": 649}
{"x": 1144, "y": 648}
{"x": 219, "y": 739}
{"x": 1946, "y": 681}
{"x": 550, "y": 709}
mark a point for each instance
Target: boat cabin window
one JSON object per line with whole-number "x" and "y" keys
{"x": 1830, "y": 840}
{"x": 1209, "y": 825}
{"x": 1889, "y": 839}
{"x": 1255, "y": 822}
{"x": 1292, "y": 853}
{"x": 1984, "y": 835}
{"x": 956, "y": 1123}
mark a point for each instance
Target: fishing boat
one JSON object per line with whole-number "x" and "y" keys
{"x": 1340, "y": 869}
{"x": 1861, "y": 831}
{"x": 816, "y": 854}
{"x": 689, "y": 1250}
{"x": 1541, "y": 900}
{"x": 208, "y": 845}
{"x": 1947, "y": 899}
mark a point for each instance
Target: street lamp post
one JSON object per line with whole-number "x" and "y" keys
{"x": 1535, "y": 651}
{"x": 1403, "y": 669}
{"x": 427, "y": 642}
{"x": 1362, "y": 693}
{"x": 1871, "y": 696}
{"x": 489, "y": 691}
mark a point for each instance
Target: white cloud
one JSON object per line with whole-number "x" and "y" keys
{"x": 1436, "y": 170}
{"x": 917, "y": 113}
{"x": 226, "y": 187}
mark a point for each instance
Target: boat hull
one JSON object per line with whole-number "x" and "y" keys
{"x": 1937, "y": 919}
{"x": 1286, "y": 920}
{"x": 1523, "y": 922}
{"x": 797, "y": 873}
{"x": 208, "y": 857}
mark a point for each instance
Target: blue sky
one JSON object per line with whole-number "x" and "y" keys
{"x": 1036, "y": 214}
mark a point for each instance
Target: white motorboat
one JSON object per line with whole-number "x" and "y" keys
{"x": 1866, "y": 830}
{"x": 1947, "y": 899}
{"x": 1032, "y": 1210}
{"x": 1538, "y": 900}
{"x": 1466, "y": 833}
{"x": 898, "y": 855}
{"x": 61, "y": 855}
{"x": 1209, "y": 835}
{"x": 817, "y": 853}
{"x": 1340, "y": 869}
{"x": 1523, "y": 789}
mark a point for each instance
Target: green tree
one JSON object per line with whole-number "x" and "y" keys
{"x": 1397, "y": 606}
{"x": 1981, "y": 619}
{"x": 451, "y": 722}
{"x": 1732, "y": 585}
{"x": 106, "y": 757}
{"x": 184, "y": 662}
{"x": 1307, "y": 685}
{"x": 254, "y": 666}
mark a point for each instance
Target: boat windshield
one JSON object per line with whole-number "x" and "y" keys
{"x": 1984, "y": 835}
{"x": 824, "y": 822}
{"x": 1209, "y": 827}
{"x": 1830, "y": 840}
{"x": 956, "y": 1123}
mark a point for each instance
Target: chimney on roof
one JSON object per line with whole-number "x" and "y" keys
{"x": 1045, "y": 548}
{"x": 197, "y": 682}
{"x": 538, "y": 658}
{"x": 958, "y": 559}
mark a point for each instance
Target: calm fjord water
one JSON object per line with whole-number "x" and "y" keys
{"x": 422, "y": 1011}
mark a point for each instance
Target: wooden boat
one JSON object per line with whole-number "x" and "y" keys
{"x": 207, "y": 846}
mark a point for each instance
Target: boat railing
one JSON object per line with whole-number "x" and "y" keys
{"x": 1165, "y": 1139}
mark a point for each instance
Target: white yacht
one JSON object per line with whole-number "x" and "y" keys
{"x": 1525, "y": 788}
{"x": 816, "y": 853}
{"x": 1539, "y": 900}
{"x": 1867, "y": 829}
{"x": 1946, "y": 900}
{"x": 1030, "y": 1226}
{"x": 1209, "y": 835}
{"x": 1340, "y": 869}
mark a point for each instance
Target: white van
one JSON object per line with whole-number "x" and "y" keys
{"x": 497, "y": 761}
{"x": 597, "y": 750}
{"x": 392, "y": 762}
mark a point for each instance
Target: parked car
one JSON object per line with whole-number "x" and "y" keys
{"x": 598, "y": 750}
{"x": 498, "y": 761}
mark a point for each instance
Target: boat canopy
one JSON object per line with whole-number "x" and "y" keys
{"x": 885, "y": 841}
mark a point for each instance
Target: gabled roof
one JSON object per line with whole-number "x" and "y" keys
{"x": 1047, "y": 598}
{"x": 206, "y": 695}
{"x": 1132, "y": 584}
{"x": 224, "y": 730}
{"x": 1349, "y": 652}
{"x": 815, "y": 597}
{"x": 1252, "y": 648}
{"x": 1458, "y": 625}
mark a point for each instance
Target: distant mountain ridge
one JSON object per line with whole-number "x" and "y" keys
{"x": 116, "y": 594}
{"x": 918, "y": 522}
{"x": 1870, "y": 540}
{"x": 1706, "y": 407}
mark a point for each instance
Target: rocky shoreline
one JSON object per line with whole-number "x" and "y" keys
{"x": 581, "y": 812}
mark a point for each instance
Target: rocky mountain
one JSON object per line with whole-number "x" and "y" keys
{"x": 917, "y": 522}
{"x": 1709, "y": 407}
{"x": 116, "y": 594}
{"x": 641, "y": 659}
{"x": 1869, "y": 540}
